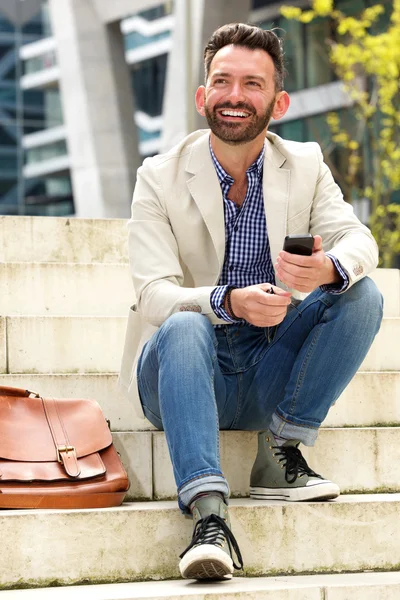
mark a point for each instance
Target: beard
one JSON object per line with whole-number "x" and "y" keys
{"x": 236, "y": 133}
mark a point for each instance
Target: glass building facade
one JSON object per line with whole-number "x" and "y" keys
{"x": 29, "y": 111}
{"x": 24, "y": 112}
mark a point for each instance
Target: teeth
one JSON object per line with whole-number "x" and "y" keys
{"x": 234, "y": 113}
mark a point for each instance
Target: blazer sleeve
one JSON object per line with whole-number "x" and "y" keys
{"x": 343, "y": 235}
{"x": 156, "y": 269}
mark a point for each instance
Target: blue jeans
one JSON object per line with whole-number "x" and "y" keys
{"x": 195, "y": 379}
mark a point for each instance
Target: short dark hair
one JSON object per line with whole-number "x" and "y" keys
{"x": 248, "y": 36}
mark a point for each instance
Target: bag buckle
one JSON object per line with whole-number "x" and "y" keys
{"x": 65, "y": 449}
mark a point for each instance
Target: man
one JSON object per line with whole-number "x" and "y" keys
{"x": 221, "y": 344}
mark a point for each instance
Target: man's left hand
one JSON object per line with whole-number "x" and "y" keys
{"x": 306, "y": 273}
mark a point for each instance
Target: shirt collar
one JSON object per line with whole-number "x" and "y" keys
{"x": 224, "y": 176}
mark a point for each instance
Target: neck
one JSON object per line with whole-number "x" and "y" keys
{"x": 237, "y": 159}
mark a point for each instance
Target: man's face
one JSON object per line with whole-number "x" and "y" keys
{"x": 240, "y": 94}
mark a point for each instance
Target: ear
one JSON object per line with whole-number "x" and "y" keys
{"x": 200, "y": 100}
{"x": 282, "y": 104}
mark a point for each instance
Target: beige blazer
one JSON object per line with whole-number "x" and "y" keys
{"x": 177, "y": 232}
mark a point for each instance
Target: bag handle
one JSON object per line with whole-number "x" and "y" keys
{"x": 17, "y": 392}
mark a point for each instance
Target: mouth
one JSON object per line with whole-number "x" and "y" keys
{"x": 233, "y": 115}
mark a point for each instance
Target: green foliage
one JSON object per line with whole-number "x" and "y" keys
{"x": 385, "y": 226}
{"x": 368, "y": 63}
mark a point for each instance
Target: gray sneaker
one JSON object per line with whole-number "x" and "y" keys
{"x": 282, "y": 473}
{"x": 209, "y": 555}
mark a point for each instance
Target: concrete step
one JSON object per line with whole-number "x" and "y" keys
{"x": 388, "y": 282}
{"x": 65, "y": 289}
{"x": 65, "y": 344}
{"x": 94, "y": 345}
{"x": 57, "y": 239}
{"x": 136, "y": 453}
{"x": 359, "y": 460}
{"x": 384, "y": 354}
{"x": 372, "y": 398}
{"x": 104, "y": 289}
{"x": 141, "y": 541}
{"x": 346, "y": 586}
{"x": 102, "y": 387}
{"x": 53, "y": 239}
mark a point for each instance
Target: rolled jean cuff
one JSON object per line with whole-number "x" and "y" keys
{"x": 199, "y": 485}
{"x": 290, "y": 431}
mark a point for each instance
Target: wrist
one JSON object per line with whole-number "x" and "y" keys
{"x": 228, "y": 303}
{"x": 332, "y": 275}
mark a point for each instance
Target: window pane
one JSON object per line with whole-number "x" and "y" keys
{"x": 317, "y": 130}
{"x": 34, "y": 26}
{"x": 135, "y": 39}
{"x": 293, "y": 130}
{"x": 8, "y": 94}
{"x": 294, "y": 54}
{"x": 8, "y": 133}
{"x": 317, "y": 63}
{"x": 34, "y": 155}
{"x": 148, "y": 80}
{"x": 5, "y": 25}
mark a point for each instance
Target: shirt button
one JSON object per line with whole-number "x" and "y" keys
{"x": 231, "y": 268}
{"x": 235, "y": 228}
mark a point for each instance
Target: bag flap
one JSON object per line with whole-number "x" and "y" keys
{"x": 12, "y": 470}
{"x": 25, "y": 434}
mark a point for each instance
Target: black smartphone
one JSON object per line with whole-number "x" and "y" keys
{"x": 299, "y": 244}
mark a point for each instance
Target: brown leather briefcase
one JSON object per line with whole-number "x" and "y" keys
{"x": 56, "y": 454}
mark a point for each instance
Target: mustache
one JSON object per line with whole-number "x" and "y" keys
{"x": 238, "y": 106}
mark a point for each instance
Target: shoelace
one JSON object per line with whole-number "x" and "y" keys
{"x": 208, "y": 531}
{"x": 296, "y": 465}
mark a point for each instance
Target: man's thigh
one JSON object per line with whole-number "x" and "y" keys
{"x": 153, "y": 388}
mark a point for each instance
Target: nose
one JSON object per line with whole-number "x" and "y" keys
{"x": 236, "y": 93}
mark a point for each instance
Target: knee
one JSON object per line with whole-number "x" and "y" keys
{"x": 187, "y": 326}
{"x": 368, "y": 298}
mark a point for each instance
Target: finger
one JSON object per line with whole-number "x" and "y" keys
{"x": 298, "y": 283}
{"x": 295, "y": 259}
{"x": 273, "y": 299}
{"x": 280, "y": 292}
{"x": 317, "y": 243}
{"x": 277, "y": 290}
{"x": 294, "y": 270}
{"x": 294, "y": 276}
{"x": 279, "y": 297}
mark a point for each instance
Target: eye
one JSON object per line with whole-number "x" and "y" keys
{"x": 219, "y": 80}
{"x": 254, "y": 83}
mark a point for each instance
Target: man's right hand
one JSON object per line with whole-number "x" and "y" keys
{"x": 255, "y": 306}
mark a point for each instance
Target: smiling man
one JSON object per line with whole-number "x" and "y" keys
{"x": 229, "y": 331}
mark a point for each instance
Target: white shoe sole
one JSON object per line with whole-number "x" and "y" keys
{"x": 326, "y": 490}
{"x": 206, "y": 562}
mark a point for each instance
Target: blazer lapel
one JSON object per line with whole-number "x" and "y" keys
{"x": 276, "y": 182}
{"x": 205, "y": 190}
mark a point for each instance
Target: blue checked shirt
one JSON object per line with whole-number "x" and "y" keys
{"x": 247, "y": 252}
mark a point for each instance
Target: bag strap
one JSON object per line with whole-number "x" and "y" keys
{"x": 66, "y": 453}
{"x": 17, "y": 392}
